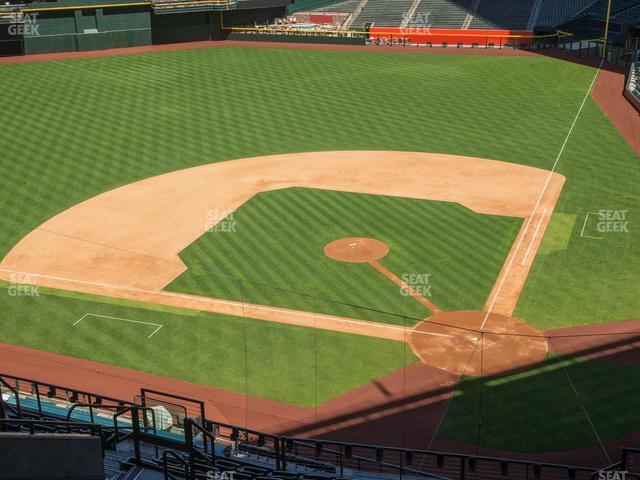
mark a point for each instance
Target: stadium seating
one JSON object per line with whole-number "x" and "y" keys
{"x": 154, "y": 434}
{"x": 618, "y": 8}
{"x": 634, "y": 80}
{"x": 631, "y": 15}
{"x": 383, "y": 13}
{"x": 502, "y": 14}
{"x": 442, "y": 13}
{"x": 346, "y": 6}
{"x": 484, "y": 14}
{"x": 555, "y": 12}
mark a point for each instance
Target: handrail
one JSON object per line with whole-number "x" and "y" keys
{"x": 279, "y": 445}
{"x": 94, "y": 428}
{"x": 189, "y": 426}
{"x": 459, "y": 456}
{"x": 59, "y": 387}
{"x": 165, "y": 465}
{"x": 91, "y": 406}
{"x": 14, "y": 391}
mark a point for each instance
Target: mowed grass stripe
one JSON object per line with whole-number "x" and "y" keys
{"x": 202, "y": 348}
{"x": 425, "y": 238}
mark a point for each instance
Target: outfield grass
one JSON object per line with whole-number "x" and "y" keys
{"x": 95, "y": 124}
{"x": 291, "y": 364}
{"x": 277, "y": 244}
{"x": 74, "y": 129}
{"x": 563, "y": 404}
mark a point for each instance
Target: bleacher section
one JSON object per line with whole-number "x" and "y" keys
{"x": 484, "y": 14}
{"x": 502, "y": 14}
{"x": 630, "y": 15}
{"x": 634, "y": 81}
{"x": 442, "y": 13}
{"x": 555, "y": 12}
{"x": 346, "y": 6}
{"x": 383, "y": 13}
{"x": 618, "y": 8}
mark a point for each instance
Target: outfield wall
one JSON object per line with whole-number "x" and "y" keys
{"x": 78, "y": 25}
{"x": 439, "y": 35}
{"x": 78, "y": 29}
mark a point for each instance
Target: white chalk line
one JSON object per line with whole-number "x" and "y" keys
{"x": 121, "y": 320}
{"x": 586, "y": 413}
{"x": 542, "y": 192}
{"x": 584, "y": 225}
{"x": 533, "y": 239}
{"x": 240, "y": 305}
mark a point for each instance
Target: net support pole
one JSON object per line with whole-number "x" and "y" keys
{"x": 606, "y": 31}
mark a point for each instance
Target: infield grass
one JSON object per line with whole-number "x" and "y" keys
{"x": 276, "y": 248}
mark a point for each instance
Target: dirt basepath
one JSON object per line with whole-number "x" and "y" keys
{"x": 122, "y": 244}
{"x": 406, "y": 288}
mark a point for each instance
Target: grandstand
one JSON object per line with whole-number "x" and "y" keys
{"x": 618, "y": 8}
{"x": 443, "y": 13}
{"x": 479, "y": 14}
{"x": 633, "y": 85}
{"x": 555, "y": 12}
{"x": 502, "y": 14}
{"x": 383, "y": 13}
{"x": 159, "y": 436}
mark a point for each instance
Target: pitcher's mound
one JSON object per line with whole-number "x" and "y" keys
{"x": 356, "y": 249}
{"x": 453, "y": 341}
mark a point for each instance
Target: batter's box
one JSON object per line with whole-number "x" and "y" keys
{"x": 88, "y": 316}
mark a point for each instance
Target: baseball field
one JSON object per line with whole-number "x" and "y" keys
{"x": 434, "y": 251}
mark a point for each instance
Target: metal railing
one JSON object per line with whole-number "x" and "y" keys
{"x": 202, "y": 436}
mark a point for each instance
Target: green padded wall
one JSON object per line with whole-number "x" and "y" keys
{"x": 181, "y": 27}
{"x": 90, "y": 29}
{"x": 10, "y": 42}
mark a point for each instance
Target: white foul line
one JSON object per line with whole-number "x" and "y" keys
{"x": 238, "y": 304}
{"x": 122, "y": 320}
{"x": 584, "y": 226}
{"x": 542, "y": 192}
{"x": 535, "y": 234}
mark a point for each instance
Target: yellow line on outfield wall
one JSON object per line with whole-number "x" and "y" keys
{"x": 135, "y": 4}
{"x": 79, "y": 7}
{"x": 408, "y": 33}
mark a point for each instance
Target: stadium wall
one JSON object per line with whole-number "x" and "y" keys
{"x": 78, "y": 25}
{"x": 73, "y": 25}
{"x": 467, "y": 37}
{"x": 10, "y": 44}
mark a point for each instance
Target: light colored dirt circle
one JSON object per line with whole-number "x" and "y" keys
{"x": 356, "y": 249}
{"x": 454, "y": 342}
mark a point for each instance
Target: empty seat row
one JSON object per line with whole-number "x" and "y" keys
{"x": 502, "y": 14}
{"x": 383, "y": 13}
{"x": 441, "y": 13}
{"x": 555, "y": 12}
